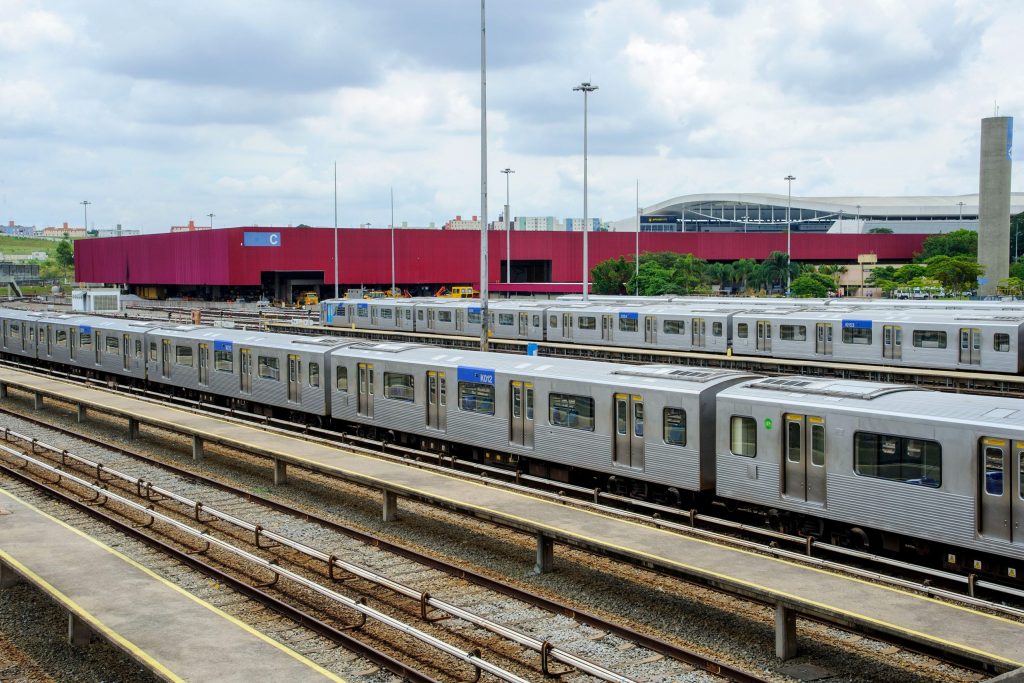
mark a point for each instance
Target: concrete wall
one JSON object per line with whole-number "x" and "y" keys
{"x": 994, "y": 209}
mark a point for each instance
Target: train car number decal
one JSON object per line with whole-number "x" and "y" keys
{"x": 477, "y": 375}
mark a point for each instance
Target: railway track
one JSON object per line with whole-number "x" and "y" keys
{"x": 963, "y": 589}
{"x": 290, "y": 561}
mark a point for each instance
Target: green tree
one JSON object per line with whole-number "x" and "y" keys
{"x": 670, "y": 273}
{"x": 742, "y": 271}
{"x": 955, "y": 273}
{"x": 956, "y": 243}
{"x": 909, "y": 272}
{"x": 65, "y": 255}
{"x": 1011, "y": 285}
{"x": 611, "y": 276}
{"x": 811, "y": 285}
{"x": 774, "y": 269}
{"x": 1017, "y": 269}
{"x": 880, "y": 231}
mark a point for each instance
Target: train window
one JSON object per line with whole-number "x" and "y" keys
{"x": 566, "y": 410}
{"x": 268, "y": 367}
{"x": 628, "y": 324}
{"x": 793, "y": 332}
{"x": 475, "y": 317}
{"x": 61, "y": 338}
{"x": 341, "y": 378}
{"x": 1001, "y": 341}
{"x": 673, "y": 326}
{"x": 506, "y": 319}
{"x": 716, "y": 329}
{"x": 897, "y": 458}
{"x": 138, "y": 348}
{"x": 673, "y": 423}
{"x": 398, "y": 386}
{"x": 741, "y": 330}
{"x": 743, "y": 436}
{"x": 363, "y": 311}
{"x": 314, "y": 374}
{"x": 553, "y": 321}
{"x": 929, "y": 339}
{"x": 112, "y": 344}
{"x": 638, "y": 419}
{"x": 536, "y": 320}
{"x": 856, "y": 335}
{"x": 387, "y": 313}
{"x": 419, "y": 314}
{"x": 183, "y": 355}
{"x": 340, "y": 311}
{"x": 587, "y": 322}
{"x": 16, "y": 330}
{"x": 152, "y": 351}
{"x": 476, "y": 398}
{"x": 993, "y": 471}
{"x": 621, "y": 416}
{"x": 408, "y": 314}
{"x": 818, "y": 444}
{"x": 224, "y": 361}
{"x": 444, "y": 316}
{"x": 1020, "y": 474}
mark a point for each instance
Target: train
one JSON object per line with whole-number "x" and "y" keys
{"x": 893, "y": 468}
{"x": 969, "y": 336}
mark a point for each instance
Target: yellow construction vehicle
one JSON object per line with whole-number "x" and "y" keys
{"x": 307, "y": 299}
{"x": 457, "y": 293}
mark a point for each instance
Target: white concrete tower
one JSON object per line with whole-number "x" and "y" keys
{"x": 994, "y": 201}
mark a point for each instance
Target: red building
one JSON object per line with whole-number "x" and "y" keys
{"x": 275, "y": 260}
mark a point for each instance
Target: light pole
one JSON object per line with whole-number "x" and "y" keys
{"x": 211, "y": 220}
{"x": 484, "y": 315}
{"x": 335, "y": 229}
{"x": 840, "y": 221}
{"x": 856, "y": 223}
{"x": 961, "y": 205}
{"x": 393, "y": 242}
{"x": 508, "y": 230}
{"x": 85, "y": 209}
{"x": 637, "y": 257}
{"x": 586, "y": 88}
{"x": 789, "y": 228}
{"x": 746, "y": 218}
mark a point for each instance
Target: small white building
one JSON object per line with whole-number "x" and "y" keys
{"x": 96, "y": 300}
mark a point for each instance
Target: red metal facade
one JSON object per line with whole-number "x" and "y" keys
{"x": 220, "y": 257}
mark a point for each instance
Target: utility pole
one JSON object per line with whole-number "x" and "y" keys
{"x": 508, "y": 230}
{"x": 484, "y": 315}
{"x": 789, "y": 228}
{"x": 211, "y": 220}
{"x": 335, "y": 229}
{"x": 586, "y": 88}
{"x": 85, "y": 208}
{"x": 637, "y": 256}
{"x": 393, "y": 242}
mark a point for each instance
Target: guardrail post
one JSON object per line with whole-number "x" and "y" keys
{"x": 8, "y": 577}
{"x": 785, "y": 632}
{"x": 197, "y": 448}
{"x": 3, "y": 390}
{"x": 38, "y": 401}
{"x": 133, "y": 429}
{"x": 390, "y": 507}
{"x": 280, "y": 472}
{"x": 545, "y": 555}
{"x": 79, "y": 632}
{"x": 81, "y": 412}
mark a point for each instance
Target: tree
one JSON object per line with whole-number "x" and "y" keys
{"x": 611, "y": 276}
{"x": 65, "y": 255}
{"x": 880, "y": 231}
{"x": 670, "y": 273}
{"x": 742, "y": 271}
{"x": 1011, "y": 285}
{"x": 955, "y": 273}
{"x": 956, "y": 243}
{"x": 910, "y": 271}
{"x": 774, "y": 269}
{"x": 1017, "y": 270}
{"x": 811, "y": 285}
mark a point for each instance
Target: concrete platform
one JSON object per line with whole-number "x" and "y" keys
{"x": 896, "y": 615}
{"x": 164, "y": 628}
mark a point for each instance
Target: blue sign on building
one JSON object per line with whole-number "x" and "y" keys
{"x": 261, "y": 239}
{"x": 629, "y": 316}
{"x": 477, "y": 375}
{"x": 222, "y": 345}
{"x": 856, "y": 324}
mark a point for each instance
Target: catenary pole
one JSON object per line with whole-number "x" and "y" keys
{"x": 484, "y": 316}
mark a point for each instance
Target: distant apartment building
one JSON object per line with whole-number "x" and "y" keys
{"x": 116, "y": 232}
{"x": 538, "y": 223}
{"x": 576, "y": 224}
{"x": 191, "y": 227}
{"x": 458, "y": 223}
{"x": 58, "y": 233}
{"x": 15, "y": 230}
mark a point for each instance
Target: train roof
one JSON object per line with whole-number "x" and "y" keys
{"x": 882, "y": 399}
{"x": 675, "y": 377}
{"x": 265, "y": 339}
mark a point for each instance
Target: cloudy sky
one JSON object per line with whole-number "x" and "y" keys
{"x": 158, "y": 112}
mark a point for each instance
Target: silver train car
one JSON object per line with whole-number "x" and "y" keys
{"x": 921, "y": 464}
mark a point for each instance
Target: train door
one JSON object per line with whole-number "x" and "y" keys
{"x": 892, "y": 342}
{"x": 567, "y": 325}
{"x": 970, "y": 345}
{"x": 629, "y": 431}
{"x": 437, "y": 400}
{"x": 98, "y": 346}
{"x": 294, "y": 378}
{"x": 126, "y": 351}
{"x": 460, "y": 320}
{"x": 49, "y": 337}
{"x": 804, "y": 458}
{"x": 165, "y": 348}
{"x": 524, "y": 321}
{"x": 72, "y": 339}
{"x": 764, "y": 335}
{"x": 365, "y": 403}
{"x": 430, "y": 318}
{"x": 245, "y": 370}
{"x": 351, "y": 314}
{"x": 823, "y": 339}
{"x": 1001, "y": 513}
{"x": 606, "y": 326}
{"x": 374, "y": 313}
{"x": 650, "y": 329}
{"x": 698, "y": 330}
{"x": 204, "y": 363}
{"x": 521, "y": 416}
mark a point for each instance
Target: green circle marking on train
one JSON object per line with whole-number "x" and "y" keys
{"x": 767, "y": 423}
